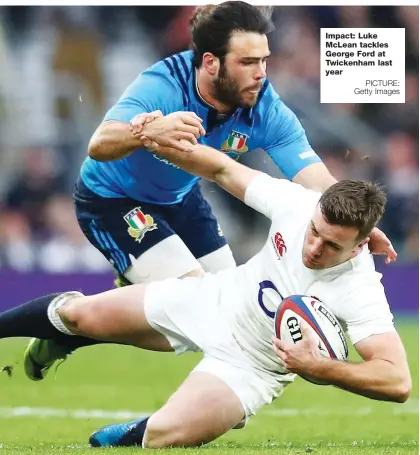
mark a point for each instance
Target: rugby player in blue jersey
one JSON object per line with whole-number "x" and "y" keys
{"x": 146, "y": 215}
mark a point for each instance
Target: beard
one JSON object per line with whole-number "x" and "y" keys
{"x": 227, "y": 91}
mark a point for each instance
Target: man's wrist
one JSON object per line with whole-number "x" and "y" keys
{"x": 320, "y": 367}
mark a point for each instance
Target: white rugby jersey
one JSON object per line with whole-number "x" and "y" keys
{"x": 252, "y": 292}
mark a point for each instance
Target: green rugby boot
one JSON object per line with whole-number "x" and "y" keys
{"x": 121, "y": 281}
{"x": 40, "y": 356}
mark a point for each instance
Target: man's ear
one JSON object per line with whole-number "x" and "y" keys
{"x": 359, "y": 247}
{"x": 211, "y": 63}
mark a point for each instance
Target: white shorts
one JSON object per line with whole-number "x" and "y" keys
{"x": 171, "y": 258}
{"x": 189, "y": 313}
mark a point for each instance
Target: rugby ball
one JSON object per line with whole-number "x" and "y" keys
{"x": 325, "y": 327}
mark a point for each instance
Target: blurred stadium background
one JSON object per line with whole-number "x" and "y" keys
{"x": 61, "y": 68}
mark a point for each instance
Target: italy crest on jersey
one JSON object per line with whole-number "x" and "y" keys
{"x": 139, "y": 224}
{"x": 236, "y": 142}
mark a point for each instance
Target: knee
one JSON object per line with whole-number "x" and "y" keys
{"x": 75, "y": 314}
{"x": 161, "y": 433}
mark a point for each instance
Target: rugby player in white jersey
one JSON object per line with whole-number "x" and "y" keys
{"x": 146, "y": 216}
{"x": 317, "y": 245}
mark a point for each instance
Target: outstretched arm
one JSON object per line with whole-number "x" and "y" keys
{"x": 210, "y": 164}
{"x": 287, "y": 144}
{"x": 114, "y": 139}
{"x": 314, "y": 176}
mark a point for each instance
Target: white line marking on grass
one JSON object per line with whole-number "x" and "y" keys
{"x": 411, "y": 407}
{"x": 7, "y": 413}
{"x": 336, "y": 412}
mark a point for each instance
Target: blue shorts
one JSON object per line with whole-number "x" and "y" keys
{"x": 119, "y": 227}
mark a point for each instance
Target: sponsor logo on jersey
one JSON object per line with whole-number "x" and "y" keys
{"x": 164, "y": 160}
{"x": 139, "y": 223}
{"x": 279, "y": 245}
{"x": 236, "y": 142}
{"x": 307, "y": 154}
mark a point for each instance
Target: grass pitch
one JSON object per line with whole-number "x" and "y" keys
{"x": 105, "y": 384}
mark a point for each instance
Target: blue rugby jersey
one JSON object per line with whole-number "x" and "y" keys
{"x": 170, "y": 85}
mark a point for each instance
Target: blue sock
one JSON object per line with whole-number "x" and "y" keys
{"x": 120, "y": 434}
{"x": 31, "y": 320}
{"x": 136, "y": 434}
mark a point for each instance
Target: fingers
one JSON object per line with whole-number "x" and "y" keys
{"x": 137, "y": 122}
{"x": 391, "y": 258}
{"x": 278, "y": 351}
{"x": 157, "y": 114}
{"x": 191, "y": 118}
{"x": 181, "y": 146}
{"x": 280, "y": 344}
{"x": 391, "y": 254}
{"x": 188, "y": 137}
{"x": 153, "y": 116}
{"x": 281, "y": 350}
{"x": 193, "y": 115}
{"x": 187, "y": 122}
{"x": 380, "y": 244}
{"x": 195, "y": 131}
{"x": 150, "y": 145}
{"x": 304, "y": 328}
{"x": 308, "y": 335}
{"x": 179, "y": 130}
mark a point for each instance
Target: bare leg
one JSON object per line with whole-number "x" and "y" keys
{"x": 201, "y": 410}
{"x": 115, "y": 316}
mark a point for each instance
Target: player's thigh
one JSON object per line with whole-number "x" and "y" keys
{"x": 170, "y": 258}
{"x": 162, "y": 315}
{"x": 135, "y": 238}
{"x": 196, "y": 225}
{"x": 117, "y": 315}
{"x": 201, "y": 410}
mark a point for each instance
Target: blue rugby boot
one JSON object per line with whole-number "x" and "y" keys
{"x": 120, "y": 434}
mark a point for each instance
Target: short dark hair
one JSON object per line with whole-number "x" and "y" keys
{"x": 354, "y": 203}
{"x": 212, "y": 26}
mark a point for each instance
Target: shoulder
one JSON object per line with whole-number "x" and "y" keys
{"x": 359, "y": 285}
{"x": 276, "y": 197}
{"x": 363, "y": 266}
{"x": 270, "y": 108}
{"x": 267, "y": 98}
{"x": 175, "y": 70}
{"x": 358, "y": 272}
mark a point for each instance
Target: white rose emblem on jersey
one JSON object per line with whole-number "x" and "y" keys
{"x": 279, "y": 245}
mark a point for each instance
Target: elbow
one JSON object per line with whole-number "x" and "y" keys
{"x": 402, "y": 391}
{"x": 95, "y": 149}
